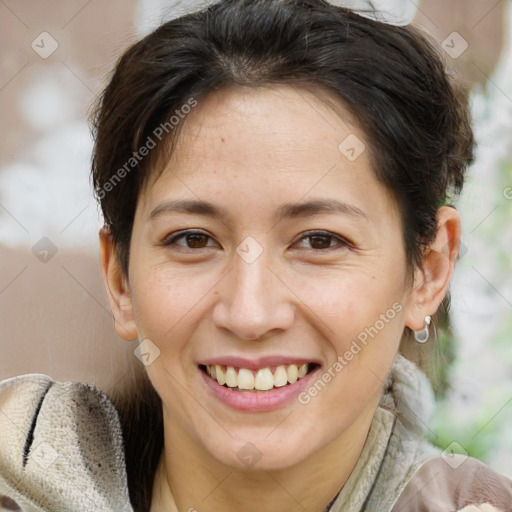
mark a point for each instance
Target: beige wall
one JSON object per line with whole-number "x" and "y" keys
{"x": 54, "y": 316}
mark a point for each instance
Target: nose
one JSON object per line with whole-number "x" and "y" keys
{"x": 254, "y": 303}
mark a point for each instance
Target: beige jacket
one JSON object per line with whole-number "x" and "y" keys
{"x": 61, "y": 451}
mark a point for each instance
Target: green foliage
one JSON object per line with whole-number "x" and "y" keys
{"x": 477, "y": 436}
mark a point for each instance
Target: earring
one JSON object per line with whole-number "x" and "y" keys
{"x": 423, "y": 335}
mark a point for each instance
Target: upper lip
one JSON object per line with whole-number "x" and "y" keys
{"x": 260, "y": 362}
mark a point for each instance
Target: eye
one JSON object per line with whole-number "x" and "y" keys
{"x": 191, "y": 239}
{"x": 323, "y": 240}
{"x": 317, "y": 240}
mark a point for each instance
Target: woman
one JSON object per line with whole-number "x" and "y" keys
{"x": 276, "y": 180}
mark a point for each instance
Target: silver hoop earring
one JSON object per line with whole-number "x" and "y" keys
{"x": 423, "y": 335}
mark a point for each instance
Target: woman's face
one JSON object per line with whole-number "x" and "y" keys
{"x": 268, "y": 242}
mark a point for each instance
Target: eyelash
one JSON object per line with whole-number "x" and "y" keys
{"x": 343, "y": 243}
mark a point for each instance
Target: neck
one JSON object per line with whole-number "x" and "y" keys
{"x": 188, "y": 479}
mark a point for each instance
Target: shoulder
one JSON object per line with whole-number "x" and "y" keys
{"x": 452, "y": 483}
{"x": 61, "y": 446}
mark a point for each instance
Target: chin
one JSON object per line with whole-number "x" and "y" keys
{"x": 258, "y": 455}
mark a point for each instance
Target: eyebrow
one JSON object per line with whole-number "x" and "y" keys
{"x": 285, "y": 211}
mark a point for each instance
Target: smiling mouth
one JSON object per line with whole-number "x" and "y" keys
{"x": 263, "y": 379}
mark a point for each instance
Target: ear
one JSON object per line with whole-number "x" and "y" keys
{"x": 431, "y": 281}
{"x": 116, "y": 285}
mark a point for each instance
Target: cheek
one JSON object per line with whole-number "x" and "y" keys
{"x": 369, "y": 345}
{"x": 347, "y": 304}
{"x": 362, "y": 320}
{"x": 165, "y": 303}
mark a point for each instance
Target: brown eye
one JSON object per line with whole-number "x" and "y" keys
{"x": 323, "y": 240}
{"x": 188, "y": 240}
{"x": 320, "y": 241}
{"x": 196, "y": 241}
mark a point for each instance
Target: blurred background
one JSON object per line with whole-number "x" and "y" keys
{"x": 54, "y": 316}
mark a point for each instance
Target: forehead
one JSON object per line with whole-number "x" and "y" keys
{"x": 282, "y": 117}
{"x": 289, "y": 139}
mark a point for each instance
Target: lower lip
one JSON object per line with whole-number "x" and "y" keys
{"x": 258, "y": 401}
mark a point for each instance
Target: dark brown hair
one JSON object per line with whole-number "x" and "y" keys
{"x": 390, "y": 78}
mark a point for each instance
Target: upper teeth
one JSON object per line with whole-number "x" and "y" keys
{"x": 262, "y": 379}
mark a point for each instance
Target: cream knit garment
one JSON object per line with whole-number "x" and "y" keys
{"x": 61, "y": 446}
{"x": 396, "y": 444}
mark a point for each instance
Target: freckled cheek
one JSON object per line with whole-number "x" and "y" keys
{"x": 165, "y": 308}
{"x": 352, "y": 311}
